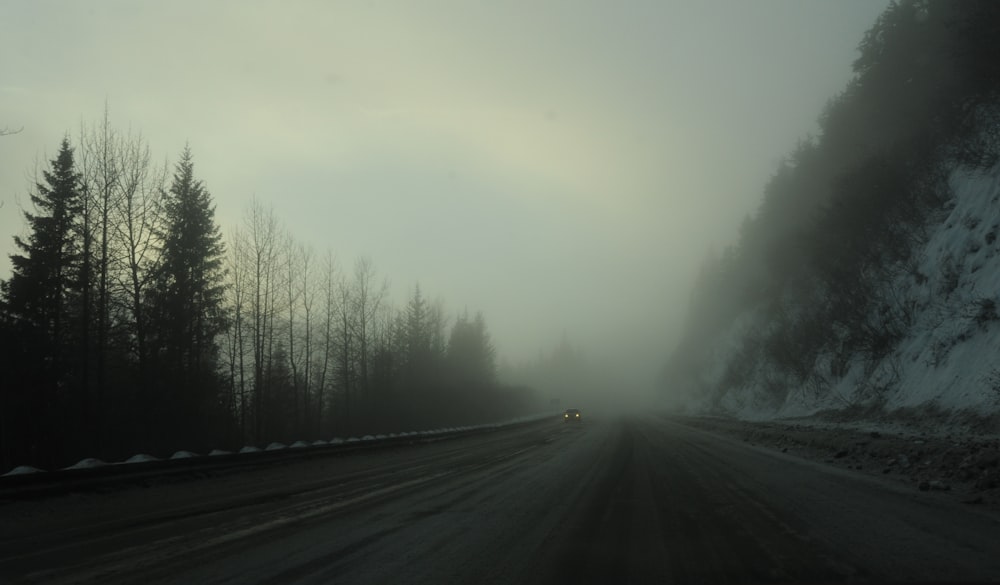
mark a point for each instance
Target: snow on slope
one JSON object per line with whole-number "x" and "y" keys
{"x": 950, "y": 355}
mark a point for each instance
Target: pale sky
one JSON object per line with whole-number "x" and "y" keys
{"x": 561, "y": 166}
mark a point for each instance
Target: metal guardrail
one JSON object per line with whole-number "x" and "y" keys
{"x": 107, "y": 476}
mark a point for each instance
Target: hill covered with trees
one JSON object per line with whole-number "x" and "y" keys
{"x": 832, "y": 280}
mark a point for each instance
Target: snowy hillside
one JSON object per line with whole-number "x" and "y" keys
{"x": 948, "y": 357}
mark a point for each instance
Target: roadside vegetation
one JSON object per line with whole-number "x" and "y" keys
{"x": 132, "y": 323}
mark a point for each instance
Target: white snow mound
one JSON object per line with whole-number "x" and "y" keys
{"x": 23, "y": 470}
{"x": 140, "y": 458}
{"x": 88, "y": 463}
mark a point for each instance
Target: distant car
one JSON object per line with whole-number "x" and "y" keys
{"x": 572, "y": 415}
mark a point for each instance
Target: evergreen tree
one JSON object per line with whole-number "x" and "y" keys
{"x": 37, "y": 316}
{"x": 38, "y": 296}
{"x": 471, "y": 356}
{"x": 418, "y": 336}
{"x": 190, "y": 292}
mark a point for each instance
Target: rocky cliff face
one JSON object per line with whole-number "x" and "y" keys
{"x": 941, "y": 304}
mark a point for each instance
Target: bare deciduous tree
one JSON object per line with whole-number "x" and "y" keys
{"x": 292, "y": 268}
{"x": 308, "y": 296}
{"x": 235, "y": 340}
{"x": 367, "y": 300}
{"x": 261, "y": 256}
{"x": 345, "y": 344}
{"x": 330, "y": 307}
{"x": 136, "y": 220}
{"x": 100, "y": 167}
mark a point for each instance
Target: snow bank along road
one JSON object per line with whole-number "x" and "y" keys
{"x": 622, "y": 500}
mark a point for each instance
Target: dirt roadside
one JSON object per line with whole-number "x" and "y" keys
{"x": 957, "y": 465}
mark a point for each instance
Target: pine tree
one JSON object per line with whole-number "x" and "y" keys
{"x": 417, "y": 334}
{"x": 471, "y": 355}
{"x": 190, "y": 291}
{"x": 37, "y": 318}
{"x": 38, "y": 296}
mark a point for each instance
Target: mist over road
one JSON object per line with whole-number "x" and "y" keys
{"x": 612, "y": 500}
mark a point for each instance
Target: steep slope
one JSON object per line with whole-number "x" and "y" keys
{"x": 868, "y": 276}
{"x": 947, "y": 356}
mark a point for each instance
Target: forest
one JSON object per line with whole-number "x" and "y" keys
{"x": 840, "y": 218}
{"x": 131, "y": 324}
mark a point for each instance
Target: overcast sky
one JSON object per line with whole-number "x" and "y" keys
{"x": 561, "y": 166}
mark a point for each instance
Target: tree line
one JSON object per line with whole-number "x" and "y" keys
{"x": 130, "y": 324}
{"x": 841, "y": 217}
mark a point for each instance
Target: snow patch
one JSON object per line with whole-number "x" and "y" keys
{"x": 23, "y": 470}
{"x": 88, "y": 463}
{"x": 140, "y": 458}
{"x": 946, "y": 358}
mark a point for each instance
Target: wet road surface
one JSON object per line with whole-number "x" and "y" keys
{"x": 640, "y": 499}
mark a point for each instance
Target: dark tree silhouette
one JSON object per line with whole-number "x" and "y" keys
{"x": 123, "y": 298}
{"x": 471, "y": 356}
{"x": 190, "y": 292}
{"x": 38, "y": 305}
{"x": 37, "y": 291}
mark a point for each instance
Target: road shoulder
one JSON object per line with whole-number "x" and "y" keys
{"x": 956, "y": 466}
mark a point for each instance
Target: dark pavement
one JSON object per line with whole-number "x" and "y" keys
{"x": 639, "y": 499}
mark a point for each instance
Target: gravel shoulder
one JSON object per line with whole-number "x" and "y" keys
{"x": 959, "y": 464}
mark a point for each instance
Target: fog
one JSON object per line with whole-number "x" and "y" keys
{"x": 562, "y": 167}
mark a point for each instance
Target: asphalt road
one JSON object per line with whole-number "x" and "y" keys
{"x": 622, "y": 500}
